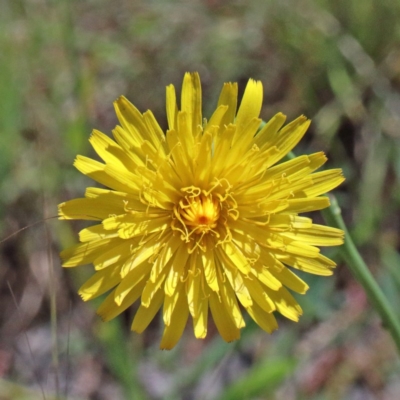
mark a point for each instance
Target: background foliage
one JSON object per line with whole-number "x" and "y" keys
{"x": 62, "y": 63}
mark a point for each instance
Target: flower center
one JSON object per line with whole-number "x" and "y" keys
{"x": 199, "y": 214}
{"x": 201, "y": 217}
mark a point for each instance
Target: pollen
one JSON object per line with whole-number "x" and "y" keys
{"x": 199, "y": 214}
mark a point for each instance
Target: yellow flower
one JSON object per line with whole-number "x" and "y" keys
{"x": 202, "y": 217}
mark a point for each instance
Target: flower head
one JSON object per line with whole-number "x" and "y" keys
{"x": 203, "y": 217}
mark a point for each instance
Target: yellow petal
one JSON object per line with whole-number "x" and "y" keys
{"x": 172, "y": 109}
{"x": 260, "y": 162}
{"x": 290, "y": 280}
{"x": 263, "y": 208}
{"x": 264, "y": 275}
{"x": 113, "y": 255}
{"x": 242, "y": 140}
{"x": 270, "y": 129}
{"x": 222, "y": 149}
{"x": 109, "y": 309}
{"x": 107, "y": 175}
{"x": 316, "y": 160}
{"x": 170, "y": 302}
{"x": 131, "y": 145}
{"x": 100, "y": 283}
{"x": 210, "y": 275}
{"x": 287, "y": 222}
{"x": 88, "y": 209}
{"x": 274, "y": 190}
{"x": 265, "y": 320}
{"x": 85, "y": 253}
{"x": 324, "y": 181}
{"x": 185, "y": 135}
{"x": 118, "y": 200}
{"x": 319, "y": 265}
{"x": 251, "y": 103}
{"x": 137, "y": 277}
{"x": 132, "y": 225}
{"x": 177, "y": 322}
{"x": 149, "y": 249}
{"x": 95, "y": 232}
{"x": 177, "y": 271}
{"x": 288, "y": 189}
{"x": 123, "y": 178}
{"x": 131, "y": 119}
{"x": 307, "y": 204}
{"x": 300, "y": 249}
{"x": 165, "y": 255}
{"x": 226, "y": 327}
{"x": 235, "y": 279}
{"x": 228, "y": 97}
{"x": 203, "y": 159}
{"x": 287, "y": 168}
{"x": 155, "y": 132}
{"x": 317, "y": 235}
{"x": 110, "y": 152}
{"x": 236, "y": 257}
{"x": 286, "y": 139}
{"x": 229, "y": 301}
{"x": 144, "y": 315}
{"x": 191, "y": 101}
{"x": 195, "y": 285}
{"x": 160, "y": 270}
{"x": 285, "y": 303}
{"x": 161, "y": 164}
{"x": 258, "y": 295}
{"x": 151, "y": 288}
{"x": 217, "y": 118}
{"x": 201, "y": 318}
{"x": 162, "y": 189}
{"x": 181, "y": 163}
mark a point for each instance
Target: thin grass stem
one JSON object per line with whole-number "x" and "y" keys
{"x": 359, "y": 269}
{"x": 27, "y": 340}
{"x": 353, "y": 259}
{"x": 53, "y": 310}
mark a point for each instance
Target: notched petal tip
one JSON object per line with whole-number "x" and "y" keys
{"x": 85, "y": 296}
{"x": 60, "y": 211}
{"x": 121, "y": 101}
{"x": 280, "y": 115}
{"x": 121, "y": 104}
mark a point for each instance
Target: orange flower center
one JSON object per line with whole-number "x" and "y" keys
{"x": 201, "y": 218}
{"x": 200, "y": 213}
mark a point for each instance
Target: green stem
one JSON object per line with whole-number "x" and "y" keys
{"x": 359, "y": 269}
{"x": 349, "y": 252}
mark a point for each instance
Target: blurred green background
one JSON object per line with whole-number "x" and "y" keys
{"x": 63, "y": 62}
